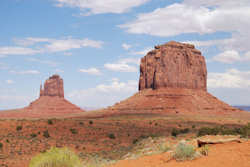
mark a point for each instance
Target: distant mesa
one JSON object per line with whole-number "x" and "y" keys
{"x": 51, "y": 103}
{"x": 173, "y": 79}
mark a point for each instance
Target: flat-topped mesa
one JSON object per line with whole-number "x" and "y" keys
{"x": 173, "y": 65}
{"x": 53, "y": 87}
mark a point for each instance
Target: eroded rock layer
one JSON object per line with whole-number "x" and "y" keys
{"x": 173, "y": 65}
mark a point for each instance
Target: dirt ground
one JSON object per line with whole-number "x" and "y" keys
{"x": 220, "y": 155}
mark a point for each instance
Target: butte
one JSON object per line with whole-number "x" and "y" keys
{"x": 173, "y": 79}
{"x": 51, "y": 103}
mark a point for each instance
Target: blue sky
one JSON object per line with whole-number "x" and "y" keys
{"x": 96, "y": 46}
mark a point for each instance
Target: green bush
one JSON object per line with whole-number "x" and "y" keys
{"x": 204, "y": 150}
{"x": 91, "y": 122}
{"x": 73, "y": 131}
{"x": 111, "y": 136}
{"x": 56, "y": 157}
{"x": 18, "y": 128}
{"x": 50, "y": 122}
{"x": 46, "y": 134}
{"x": 184, "y": 152}
{"x": 1, "y": 145}
{"x": 33, "y": 135}
{"x": 135, "y": 141}
{"x": 175, "y": 132}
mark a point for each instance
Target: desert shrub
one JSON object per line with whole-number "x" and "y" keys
{"x": 184, "y": 152}
{"x": 208, "y": 131}
{"x": 204, "y": 150}
{"x": 186, "y": 130}
{"x": 175, "y": 132}
{"x": 7, "y": 141}
{"x": 81, "y": 123}
{"x": 111, "y": 136}
{"x": 56, "y": 157}
{"x": 156, "y": 124}
{"x": 18, "y": 128}
{"x": 73, "y": 131}
{"x": 50, "y": 122}
{"x": 193, "y": 126}
{"x": 46, "y": 134}
{"x": 1, "y": 145}
{"x": 245, "y": 131}
{"x": 91, "y": 122}
{"x": 135, "y": 141}
{"x": 33, "y": 135}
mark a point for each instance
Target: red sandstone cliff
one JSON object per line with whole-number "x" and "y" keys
{"x": 53, "y": 87}
{"x": 173, "y": 65}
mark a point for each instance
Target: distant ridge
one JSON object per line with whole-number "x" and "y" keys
{"x": 246, "y": 108}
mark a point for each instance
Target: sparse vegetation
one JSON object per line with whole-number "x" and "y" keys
{"x": 73, "y": 131}
{"x": 46, "y": 134}
{"x": 184, "y": 152}
{"x": 111, "y": 136}
{"x": 243, "y": 131}
{"x": 50, "y": 122}
{"x": 33, "y": 135}
{"x": 56, "y": 157}
{"x": 175, "y": 132}
{"x": 19, "y": 128}
{"x": 204, "y": 150}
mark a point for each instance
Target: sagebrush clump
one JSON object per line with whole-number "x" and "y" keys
{"x": 184, "y": 152}
{"x": 56, "y": 157}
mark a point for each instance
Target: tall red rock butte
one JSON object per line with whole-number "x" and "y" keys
{"x": 51, "y": 103}
{"x": 173, "y": 79}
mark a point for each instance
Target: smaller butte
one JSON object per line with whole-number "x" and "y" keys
{"x": 51, "y": 103}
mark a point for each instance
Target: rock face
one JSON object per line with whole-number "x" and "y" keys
{"x": 173, "y": 79}
{"x": 53, "y": 87}
{"x": 173, "y": 65}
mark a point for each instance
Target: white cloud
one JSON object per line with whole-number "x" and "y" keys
{"x": 92, "y": 71}
{"x": 124, "y": 65}
{"x": 47, "y": 45}
{"x": 48, "y": 62}
{"x": 126, "y": 46}
{"x": 180, "y": 18}
{"x": 13, "y": 101}
{"x": 68, "y": 44}
{"x": 232, "y": 78}
{"x": 201, "y": 17}
{"x": 59, "y": 71}
{"x": 89, "y": 7}
{"x": 33, "y": 72}
{"x": 143, "y": 52}
{"x": 67, "y": 54}
{"x": 9, "y": 81}
{"x": 104, "y": 94}
{"x": 18, "y": 51}
{"x": 229, "y": 57}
